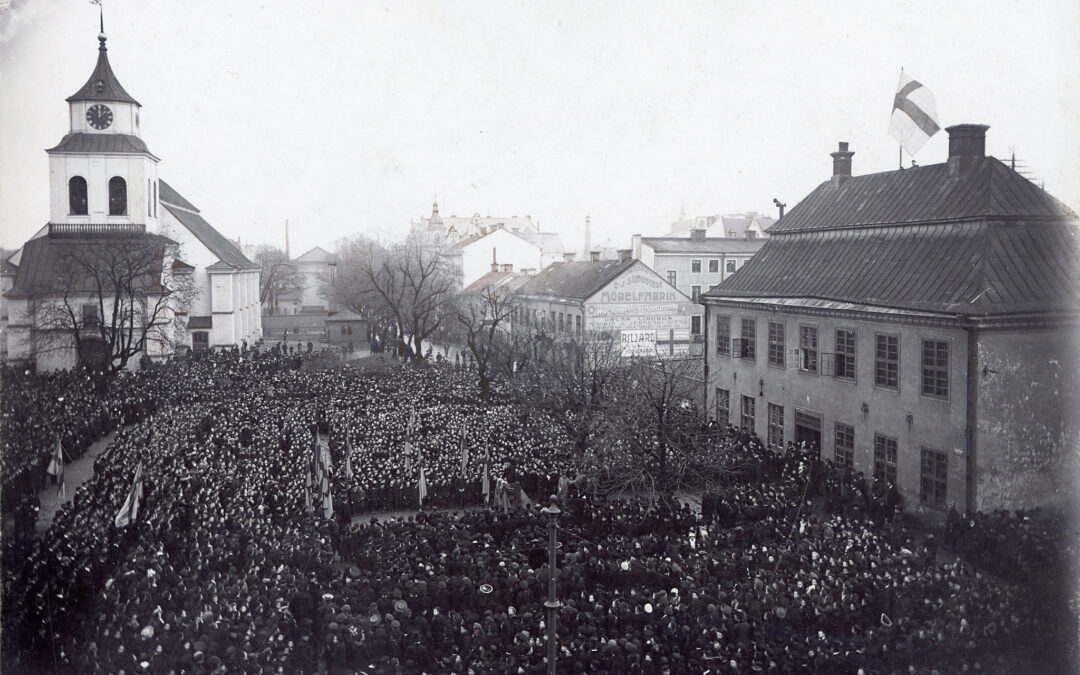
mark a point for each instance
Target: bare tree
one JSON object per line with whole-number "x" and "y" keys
{"x": 113, "y": 297}
{"x": 352, "y": 287}
{"x": 277, "y": 276}
{"x": 484, "y": 321}
{"x": 411, "y": 282}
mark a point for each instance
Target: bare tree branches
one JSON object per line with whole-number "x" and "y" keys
{"x": 484, "y": 321}
{"x": 277, "y": 276}
{"x": 110, "y": 299}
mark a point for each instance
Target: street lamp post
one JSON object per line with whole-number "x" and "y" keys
{"x": 552, "y": 604}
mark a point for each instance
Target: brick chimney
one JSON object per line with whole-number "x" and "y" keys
{"x": 594, "y": 256}
{"x": 624, "y": 254}
{"x": 841, "y": 164}
{"x": 507, "y": 267}
{"x": 569, "y": 256}
{"x": 697, "y": 234}
{"x": 967, "y": 144}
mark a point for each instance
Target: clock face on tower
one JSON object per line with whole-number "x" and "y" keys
{"x": 99, "y": 116}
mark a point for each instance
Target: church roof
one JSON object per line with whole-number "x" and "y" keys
{"x": 106, "y": 143}
{"x": 189, "y": 217}
{"x": 102, "y": 85}
{"x": 44, "y": 260}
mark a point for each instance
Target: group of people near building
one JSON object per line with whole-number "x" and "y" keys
{"x": 226, "y": 567}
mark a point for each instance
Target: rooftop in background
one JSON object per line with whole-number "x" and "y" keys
{"x": 703, "y": 246}
{"x": 575, "y": 280}
{"x": 114, "y": 143}
{"x": 500, "y": 280}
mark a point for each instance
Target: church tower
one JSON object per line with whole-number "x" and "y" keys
{"x": 102, "y": 173}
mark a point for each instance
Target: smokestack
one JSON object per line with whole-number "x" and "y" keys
{"x": 287, "y": 256}
{"x": 967, "y": 144}
{"x": 588, "y": 237}
{"x": 494, "y": 265}
{"x": 841, "y": 164}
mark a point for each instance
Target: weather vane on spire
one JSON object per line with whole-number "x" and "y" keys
{"x": 101, "y": 14}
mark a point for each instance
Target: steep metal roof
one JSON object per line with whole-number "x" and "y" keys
{"x": 508, "y": 281}
{"x": 986, "y": 189}
{"x": 703, "y": 246}
{"x": 106, "y": 143}
{"x": 189, "y": 217}
{"x": 102, "y": 85}
{"x": 575, "y": 280}
{"x": 968, "y": 268}
{"x": 168, "y": 194}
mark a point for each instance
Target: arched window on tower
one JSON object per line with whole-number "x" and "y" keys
{"x": 77, "y": 196}
{"x": 117, "y": 196}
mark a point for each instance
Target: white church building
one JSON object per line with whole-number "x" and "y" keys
{"x": 103, "y": 180}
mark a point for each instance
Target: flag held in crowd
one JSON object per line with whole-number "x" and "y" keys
{"x": 56, "y": 468}
{"x": 914, "y": 115}
{"x": 485, "y": 482}
{"x": 421, "y": 487}
{"x": 129, "y": 512}
{"x": 464, "y": 453}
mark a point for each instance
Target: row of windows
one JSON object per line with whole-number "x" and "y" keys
{"x": 561, "y": 321}
{"x": 933, "y": 468}
{"x": 840, "y": 363}
{"x": 695, "y": 268}
{"x": 78, "y": 204}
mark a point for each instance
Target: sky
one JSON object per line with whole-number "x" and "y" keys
{"x": 350, "y": 117}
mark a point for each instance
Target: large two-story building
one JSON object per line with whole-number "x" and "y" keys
{"x": 918, "y": 325}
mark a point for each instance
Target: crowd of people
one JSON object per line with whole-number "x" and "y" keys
{"x": 226, "y": 569}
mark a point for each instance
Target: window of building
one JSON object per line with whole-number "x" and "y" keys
{"x": 747, "y": 419}
{"x": 935, "y": 368}
{"x": 560, "y": 322}
{"x": 885, "y": 459}
{"x": 577, "y": 324}
{"x": 349, "y": 331}
{"x": 714, "y": 266}
{"x": 723, "y": 335}
{"x": 776, "y": 343}
{"x": 117, "y": 196}
{"x": 89, "y": 315}
{"x": 808, "y": 345}
{"x": 845, "y": 354}
{"x": 730, "y": 266}
{"x": 695, "y": 267}
{"x": 77, "y": 205}
{"x": 723, "y": 405}
{"x": 749, "y": 338}
{"x": 200, "y": 340}
{"x": 844, "y": 448}
{"x": 776, "y": 426}
{"x": 887, "y": 361}
{"x": 673, "y": 277}
{"x": 343, "y": 330}
{"x": 695, "y": 325}
{"x": 934, "y": 478}
{"x": 695, "y": 293}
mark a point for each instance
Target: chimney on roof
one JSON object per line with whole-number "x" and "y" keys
{"x": 494, "y": 265}
{"x": 507, "y": 267}
{"x": 967, "y": 143}
{"x": 624, "y": 254}
{"x": 697, "y": 234}
{"x": 594, "y": 256}
{"x": 569, "y": 256}
{"x": 841, "y": 163}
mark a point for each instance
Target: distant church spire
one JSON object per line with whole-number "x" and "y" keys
{"x": 102, "y": 85}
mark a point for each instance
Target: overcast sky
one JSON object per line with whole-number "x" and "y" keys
{"x": 347, "y": 117}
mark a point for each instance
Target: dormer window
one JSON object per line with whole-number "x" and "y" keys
{"x": 117, "y": 196}
{"x": 77, "y": 196}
